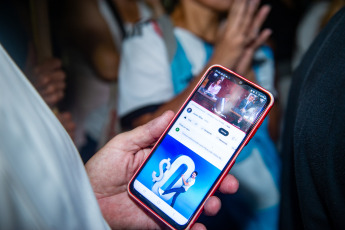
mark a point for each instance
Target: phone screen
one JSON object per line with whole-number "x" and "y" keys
{"x": 199, "y": 145}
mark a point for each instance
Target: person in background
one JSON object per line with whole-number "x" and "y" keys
{"x": 215, "y": 87}
{"x": 247, "y": 103}
{"x": 47, "y": 75}
{"x": 234, "y": 45}
{"x": 92, "y": 50}
{"x": 161, "y": 64}
{"x": 313, "y": 182}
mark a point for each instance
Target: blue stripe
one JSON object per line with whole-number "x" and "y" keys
{"x": 181, "y": 69}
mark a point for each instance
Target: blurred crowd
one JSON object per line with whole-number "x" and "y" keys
{"x": 108, "y": 66}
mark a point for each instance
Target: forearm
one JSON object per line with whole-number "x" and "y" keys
{"x": 99, "y": 50}
{"x": 173, "y": 104}
{"x": 105, "y": 61}
{"x": 176, "y": 103}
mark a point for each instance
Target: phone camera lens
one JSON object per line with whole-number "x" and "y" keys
{"x": 240, "y": 82}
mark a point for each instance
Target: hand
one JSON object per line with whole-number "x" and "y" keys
{"x": 113, "y": 166}
{"x": 49, "y": 80}
{"x": 240, "y": 36}
{"x": 254, "y": 40}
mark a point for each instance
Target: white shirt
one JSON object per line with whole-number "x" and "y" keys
{"x": 214, "y": 88}
{"x": 145, "y": 75}
{"x": 43, "y": 182}
{"x": 190, "y": 181}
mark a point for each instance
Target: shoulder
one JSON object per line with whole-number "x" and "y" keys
{"x": 144, "y": 72}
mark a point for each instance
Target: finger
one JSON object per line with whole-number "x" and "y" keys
{"x": 146, "y": 152}
{"x": 261, "y": 16}
{"x": 48, "y": 66}
{"x": 48, "y": 78}
{"x": 49, "y": 83}
{"x": 58, "y": 76}
{"x": 212, "y": 206}
{"x": 52, "y": 89}
{"x": 235, "y": 15}
{"x": 259, "y": 20}
{"x": 229, "y": 185}
{"x": 65, "y": 116}
{"x": 264, "y": 35}
{"x": 198, "y": 226}
{"x": 54, "y": 98}
{"x": 245, "y": 62}
{"x": 145, "y": 135}
{"x": 249, "y": 14}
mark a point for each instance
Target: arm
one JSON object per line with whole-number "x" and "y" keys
{"x": 112, "y": 167}
{"x": 49, "y": 80}
{"x": 234, "y": 48}
{"x": 90, "y": 33}
{"x": 184, "y": 181}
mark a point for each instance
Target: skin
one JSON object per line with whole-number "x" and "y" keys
{"x": 85, "y": 28}
{"x": 217, "y": 5}
{"x": 93, "y": 37}
{"x": 184, "y": 181}
{"x": 49, "y": 80}
{"x": 41, "y": 67}
{"x": 111, "y": 169}
{"x": 235, "y": 40}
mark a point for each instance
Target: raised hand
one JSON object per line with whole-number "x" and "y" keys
{"x": 240, "y": 35}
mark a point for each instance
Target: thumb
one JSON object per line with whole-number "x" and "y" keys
{"x": 146, "y": 135}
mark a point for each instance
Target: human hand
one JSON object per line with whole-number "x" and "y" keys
{"x": 49, "y": 80}
{"x": 254, "y": 40}
{"x": 111, "y": 169}
{"x": 240, "y": 35}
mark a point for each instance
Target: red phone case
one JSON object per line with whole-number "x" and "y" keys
{"x": 233, "y": 158}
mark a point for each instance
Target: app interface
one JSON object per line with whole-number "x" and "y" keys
{"x": 199, "y": 145}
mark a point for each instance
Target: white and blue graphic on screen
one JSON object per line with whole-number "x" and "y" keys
{"x": 170, "y": 176}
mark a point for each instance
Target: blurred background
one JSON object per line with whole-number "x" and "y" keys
{"x": 107, "y": 66}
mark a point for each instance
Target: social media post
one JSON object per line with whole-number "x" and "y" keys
{"x": 206, "y": 134}
{"x": 231, "y": 99}
{"x": 176, "y": 179}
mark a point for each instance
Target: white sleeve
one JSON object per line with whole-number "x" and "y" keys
{"x": 144, "y": 72}
{"x": 43, "y": 182}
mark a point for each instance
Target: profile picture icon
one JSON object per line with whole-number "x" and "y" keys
{"x": 189, "y": 110}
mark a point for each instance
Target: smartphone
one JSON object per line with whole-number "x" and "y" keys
{"x": 199, "y": 147}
